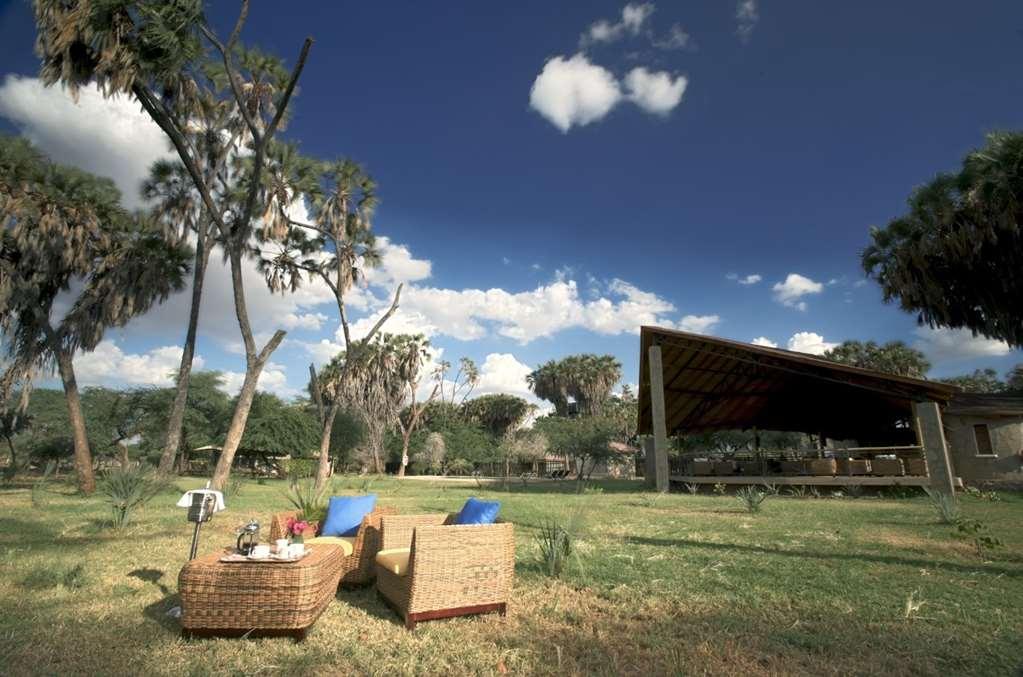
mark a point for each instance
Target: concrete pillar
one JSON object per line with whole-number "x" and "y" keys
{"x": 657, "y": 417}
{"x": 930, "y": 434}
{"x": 650, "y": 469}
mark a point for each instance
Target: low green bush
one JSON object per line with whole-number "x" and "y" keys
{"x": 128, "y": 489}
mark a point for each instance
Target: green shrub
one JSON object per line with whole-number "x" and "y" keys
{"x": 797, "y": 491}
{"x": 771, "y": 489}
{"x": 692, "y": 487}
{"x": 978, "y": 532}
{"x": 751, "y": 499}
{"x": 301, "y": 468}
{"x": 720, "y": 489}
{"x": 310, "y": 502}
{"x": 458, "y": 466}
{"x": 945, "y": 505}
{"x": 555, "y": 547}
{"x": 127, "y": 489}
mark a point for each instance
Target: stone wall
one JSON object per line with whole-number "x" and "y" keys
{"x": 1006, "y": 443}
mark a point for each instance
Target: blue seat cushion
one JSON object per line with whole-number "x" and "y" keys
{"x": 345, "y": 513}
{"x": 476, "y": 511}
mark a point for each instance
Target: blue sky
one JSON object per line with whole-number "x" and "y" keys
{"x": 597, "y": 165}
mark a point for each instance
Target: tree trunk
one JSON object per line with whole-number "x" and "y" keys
{"x": 122, "y": 448}
{"x": 14, "y": 455}
{"x": 404, "y": 453}
{"x": 254, "y": 363}
{"x": 236, "y": 429}
{"x": 177, "y": 417}
{"x": 83, "y": 455}
{"x": 323, "y": 468}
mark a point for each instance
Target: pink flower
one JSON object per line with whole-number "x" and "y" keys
{"x": 296, "y": 527}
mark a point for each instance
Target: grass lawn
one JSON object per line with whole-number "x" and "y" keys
{"x": 674, "y": 584}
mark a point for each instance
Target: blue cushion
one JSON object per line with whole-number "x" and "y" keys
{"x": 476, "y": 511}
{"x": 345, "y": 513}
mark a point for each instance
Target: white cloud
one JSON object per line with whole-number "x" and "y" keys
{"x": 677, "y": 38}
{"x": 503, "y": 373}
{"x": 655, "y": 92}
{"x": 809, "y": 342}
{"x": 944, "y": 344}
{"x": 108, "y": 137}
{"x": 273, "y": 379}
{"x": 790, "y": 292}
{"x": 633, "y": 18}
{"x": 699, "y": 324}
{"x": 310, "y": 321}
{"x": 109, "y": 365}
{"x": 764, "y": 341}
{"x": 397, "y": 265}
{"x": 746, "y": 17}
{"x": 574, "y": 92}
{"x": 469, "y": 314}
{"x": 746, "y": 280}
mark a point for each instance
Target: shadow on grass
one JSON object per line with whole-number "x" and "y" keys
{"x": 877, "y": 559}
{"x": 368, "y": 600}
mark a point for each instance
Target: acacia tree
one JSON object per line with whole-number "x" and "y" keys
{"x": 65, "y": 227}
{"x": 894, "y": 357}
{"x": 155, "y": 52}
{"x": 955, "y": 257}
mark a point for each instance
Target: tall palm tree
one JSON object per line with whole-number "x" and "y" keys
{"x": 336, "y": 247}
{"x": 64, "y": 227}
{"x": 215, "y": 133}
{"x": 157, "y": 53}
{"x": 587, "y": 379}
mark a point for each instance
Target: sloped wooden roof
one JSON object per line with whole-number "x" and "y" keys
{"x": 993, "y": 405}
{"x": 716, "y": 384}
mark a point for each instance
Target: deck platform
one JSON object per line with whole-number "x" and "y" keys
{"x": 815, "y": 480}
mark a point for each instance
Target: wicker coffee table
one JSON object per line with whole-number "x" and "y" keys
{"x": 258, "y": 598}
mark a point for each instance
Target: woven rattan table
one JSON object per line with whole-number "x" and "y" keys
{"x": 258, "y": 598}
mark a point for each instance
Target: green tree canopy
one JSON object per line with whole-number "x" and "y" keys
{"x": 497, "y": 413}
{"x": 280, "y": 428}
{"x": 586, "y": 379}
{"x": 956, "y": 257}
{"x": 980, "y": 381}
{"x": 894, "y": 357}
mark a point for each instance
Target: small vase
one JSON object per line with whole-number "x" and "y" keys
{"x": 298, "y": 539}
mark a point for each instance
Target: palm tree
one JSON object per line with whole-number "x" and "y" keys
{"x": 178, "y": 205}
{"x": 953, "y": 258}
{"x": 156, "y": 52}
{"x": 63, "y": 226}
{"x": 335, "y": 247}
{"x": 587, "y": 379}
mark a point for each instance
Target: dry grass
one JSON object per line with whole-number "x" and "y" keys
{"x": 685, "y": 584}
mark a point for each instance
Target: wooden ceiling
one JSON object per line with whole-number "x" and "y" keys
{"x": 717, "y": 384}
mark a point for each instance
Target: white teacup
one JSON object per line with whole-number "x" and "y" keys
{"x": 282, "y": 546}
{"x": 296, "y": 549}
{"x": 260, "y": 551}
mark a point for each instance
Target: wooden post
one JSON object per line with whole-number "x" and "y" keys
{"x": 657, "y": 416}
{"x": 930, "y": 434}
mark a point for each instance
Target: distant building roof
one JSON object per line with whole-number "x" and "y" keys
{"x": 995, "y": 405}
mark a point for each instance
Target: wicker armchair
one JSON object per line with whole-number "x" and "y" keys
{"x": 429, "y": 568}
{"x": 358, "y": 568}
